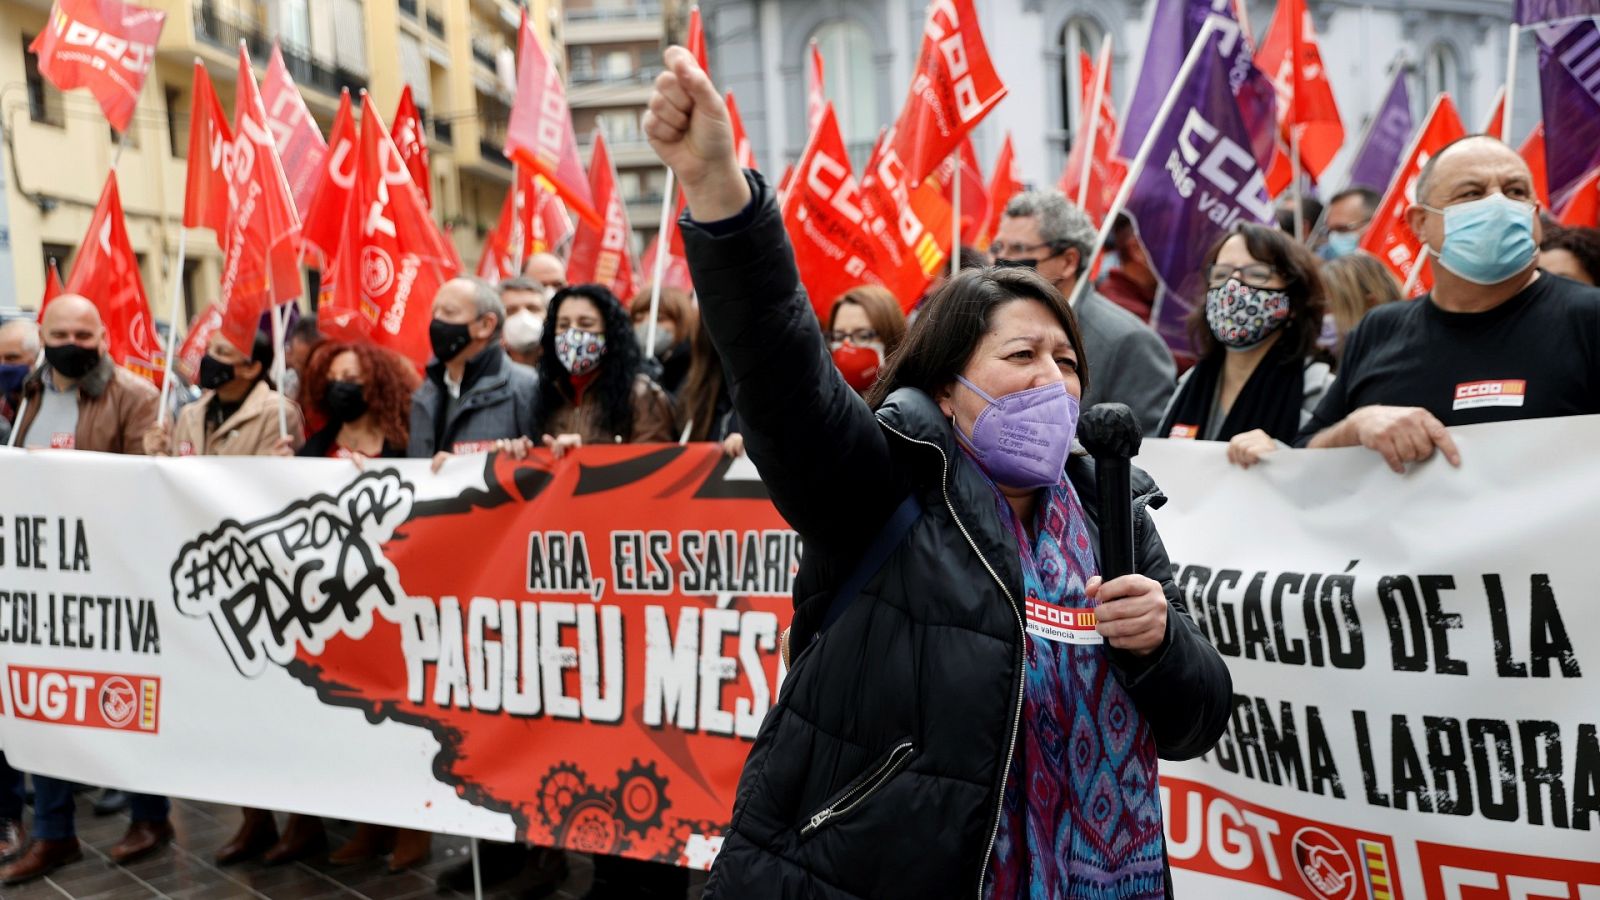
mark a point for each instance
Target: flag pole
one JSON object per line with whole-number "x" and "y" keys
{"x": 1201, "y": 43}
{"x": 172, "y": 327}
{"x": 1511, "y": 81}
{"x": 1092, "y": 118}
{"x": 955, "y": 214}
{"x": 1296, "y": 195}
{"x": 663, "y": 247}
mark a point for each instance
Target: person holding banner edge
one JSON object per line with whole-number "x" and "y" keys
{"x": 898, "y": 756}
{"x": 1495, "y": 340}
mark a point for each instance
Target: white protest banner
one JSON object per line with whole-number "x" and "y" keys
{"x": 1414, "y": 661}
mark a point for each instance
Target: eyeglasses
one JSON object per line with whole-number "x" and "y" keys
{"x": 1000, "y": 249}
{"x": 859, "y": 336}
{"x": 1255, "y": 275}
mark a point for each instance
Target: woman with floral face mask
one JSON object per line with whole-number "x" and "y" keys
{"x": 864, "y": 327}
{"x": 1258, "y": 379}
{"x": 592, "y": 387}
{"x": 970, "y": 710}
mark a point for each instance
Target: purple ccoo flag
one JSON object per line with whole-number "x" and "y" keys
{"x": 1173, "y": 29}
{"x": 1386, "y": 139}
{"x": 1200, "y": 179}
{"x": 1569, "y": 82}
{"x": 1530, "y": 12}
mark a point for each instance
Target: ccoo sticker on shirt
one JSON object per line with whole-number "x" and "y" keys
{"x": 1184, "y": 432}
{"x": 1062, "y": 624}
{"x": 1475, "y": 394}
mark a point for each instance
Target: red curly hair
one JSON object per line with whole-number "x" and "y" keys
{"x": 389, "y": 383}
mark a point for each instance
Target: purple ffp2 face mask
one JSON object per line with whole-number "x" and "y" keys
{"x": 1022, "y": 439}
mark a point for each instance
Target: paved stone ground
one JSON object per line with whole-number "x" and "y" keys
{"x": 184, "y": 871}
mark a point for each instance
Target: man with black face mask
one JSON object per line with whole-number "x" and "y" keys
{"x": 80, "y": 399}
{"x": 1044, "y": 232}
{"x": 473, "y": 399}
{"x": 238, "y": 413}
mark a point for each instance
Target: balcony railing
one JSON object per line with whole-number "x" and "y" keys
{"x": 435, "y": 24}
{"x": 644, "y": 75}
{"x": 215, "y": 29}
{"x": 482, "y": 54}
{"x": 493, "y": 153}
{"x": 612, "y": 14}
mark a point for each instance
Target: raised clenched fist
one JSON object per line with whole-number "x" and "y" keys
{"x": 688, "y": 127}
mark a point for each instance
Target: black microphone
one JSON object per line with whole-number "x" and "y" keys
{"x": 1111, "y": 435}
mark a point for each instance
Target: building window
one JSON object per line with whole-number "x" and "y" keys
{"x": 1079, "y": 36}
{"x": 44, "y": 101}
{"x": 1441, "y": 73}
{"x": 177, "y": 123}
{"x": 620, "y": 126}
{"x": 60, "y": 254}
{"x": 848, "y": 80}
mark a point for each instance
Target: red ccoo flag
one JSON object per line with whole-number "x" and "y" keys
{"x": 412, "y": 139}
{"x": 1005, "y": 183}
{"x": 300, "y": 144}
{"x": 205, "y": 197}
{"x": 816, "y": 97}
{"x": 601, "y": 255}
{"x": 1389, "y": 238}
{"x": 1105, "y": 170}
{"x": 1291, "y": 58}
{"x": 325, "y": 218}
{"x": 391, "y": 259}
{"x": 954, "y": 87}
{"x": 107, "y": 272}
{"x": 823, "y": 214}
{"x": 908, "y": 229}
{"x": 106, "y": 46}
{"x": 742, "y": 150}
{"x": 540, "y": 135}
{"x": 261, "y": 247}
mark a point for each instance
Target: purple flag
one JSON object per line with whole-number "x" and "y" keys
{"x": 1530, "y": 12}
{"x": 1201, "y": 179}
{"x": 1386, "y": 139}
{"x": 1173, "y": 29}
{"x": 1569, "y": 82}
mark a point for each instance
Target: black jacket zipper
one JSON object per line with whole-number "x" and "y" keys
{"x": 866, "y": 787}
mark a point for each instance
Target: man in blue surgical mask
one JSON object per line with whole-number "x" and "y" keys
{"x": 1348, "y": 215}
{"x": 19, "y": 352}
{"x": 1495, "y": 340}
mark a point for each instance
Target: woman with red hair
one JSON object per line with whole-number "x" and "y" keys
{"x": 363, "y": 393}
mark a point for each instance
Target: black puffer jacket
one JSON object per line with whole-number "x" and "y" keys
{"x": 901, "y": 718}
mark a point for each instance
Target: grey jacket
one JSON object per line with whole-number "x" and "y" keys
{"x": 1128, "y": 362}
{"x": 497, "y": 398}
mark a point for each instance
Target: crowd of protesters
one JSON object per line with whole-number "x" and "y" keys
{"x": 1300, "y": 340}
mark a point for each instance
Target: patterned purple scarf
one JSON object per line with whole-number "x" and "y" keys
{"x": 1081, "y": 815}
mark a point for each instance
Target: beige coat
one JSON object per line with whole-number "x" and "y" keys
{"x": 251, "y": 431}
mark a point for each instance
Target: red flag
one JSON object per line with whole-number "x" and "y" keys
{"x": 412, "y": 139}
{"x": 107, "y": 272}
{"x": 52, "y": 285}
{"x": 300, "y": 144}
{"x": 823, "y": 215}
{"x": 601, "y": 255}
{"x": 908, "y": 229}
{"x": 194, "y": 344}
{"x": 391, "y": 259}
{"x": 954, "y": 87}
{"x": 974, "y": 194}
{"x": 787, "y": 179}
{"x": 696, "y": 40}
{"x": 742, "y": 151}
{"x": 1291, "y": 57}
{"x": 1494, "y": 126}
{"x": 1583, "y": 210}
{"x": 1005, "y": 183}
{"x": 1532, "y": 152}
{"x": 1105, "y": 170}
{"x": 816, "y": 97}
{"x": 507, "y": 246}
{"x": 205, "y": 197}
{"x": 106, "y": 46}
{"x": 324, "y": 220}
{"x": 540, "y": 135}
{"x": 1389, "y": 238}
{"x": 261, "y": 249}
{"x": 552, "y": 227}
{"x": 676, "y": 272}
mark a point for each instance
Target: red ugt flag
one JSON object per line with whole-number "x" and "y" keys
{"x": 106, "y": 46}
{"x": 540, "y": 135}
{"x": 1389, "y": 238}
{"x": 412, "y": 139}
{"x": 1291, "y": 58}
{"x": 822, "y": 212}
{"x": 391, "y": 260}
{"x": 954, "y": 87}
{"x": 107, "y": 272}
{"x": 261, "y": 247}
{"x": 601, "y": 255}
{"x": 300, "y": 144}
{"x": 325, "y": 219}
{"x": 205, "y": 197}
